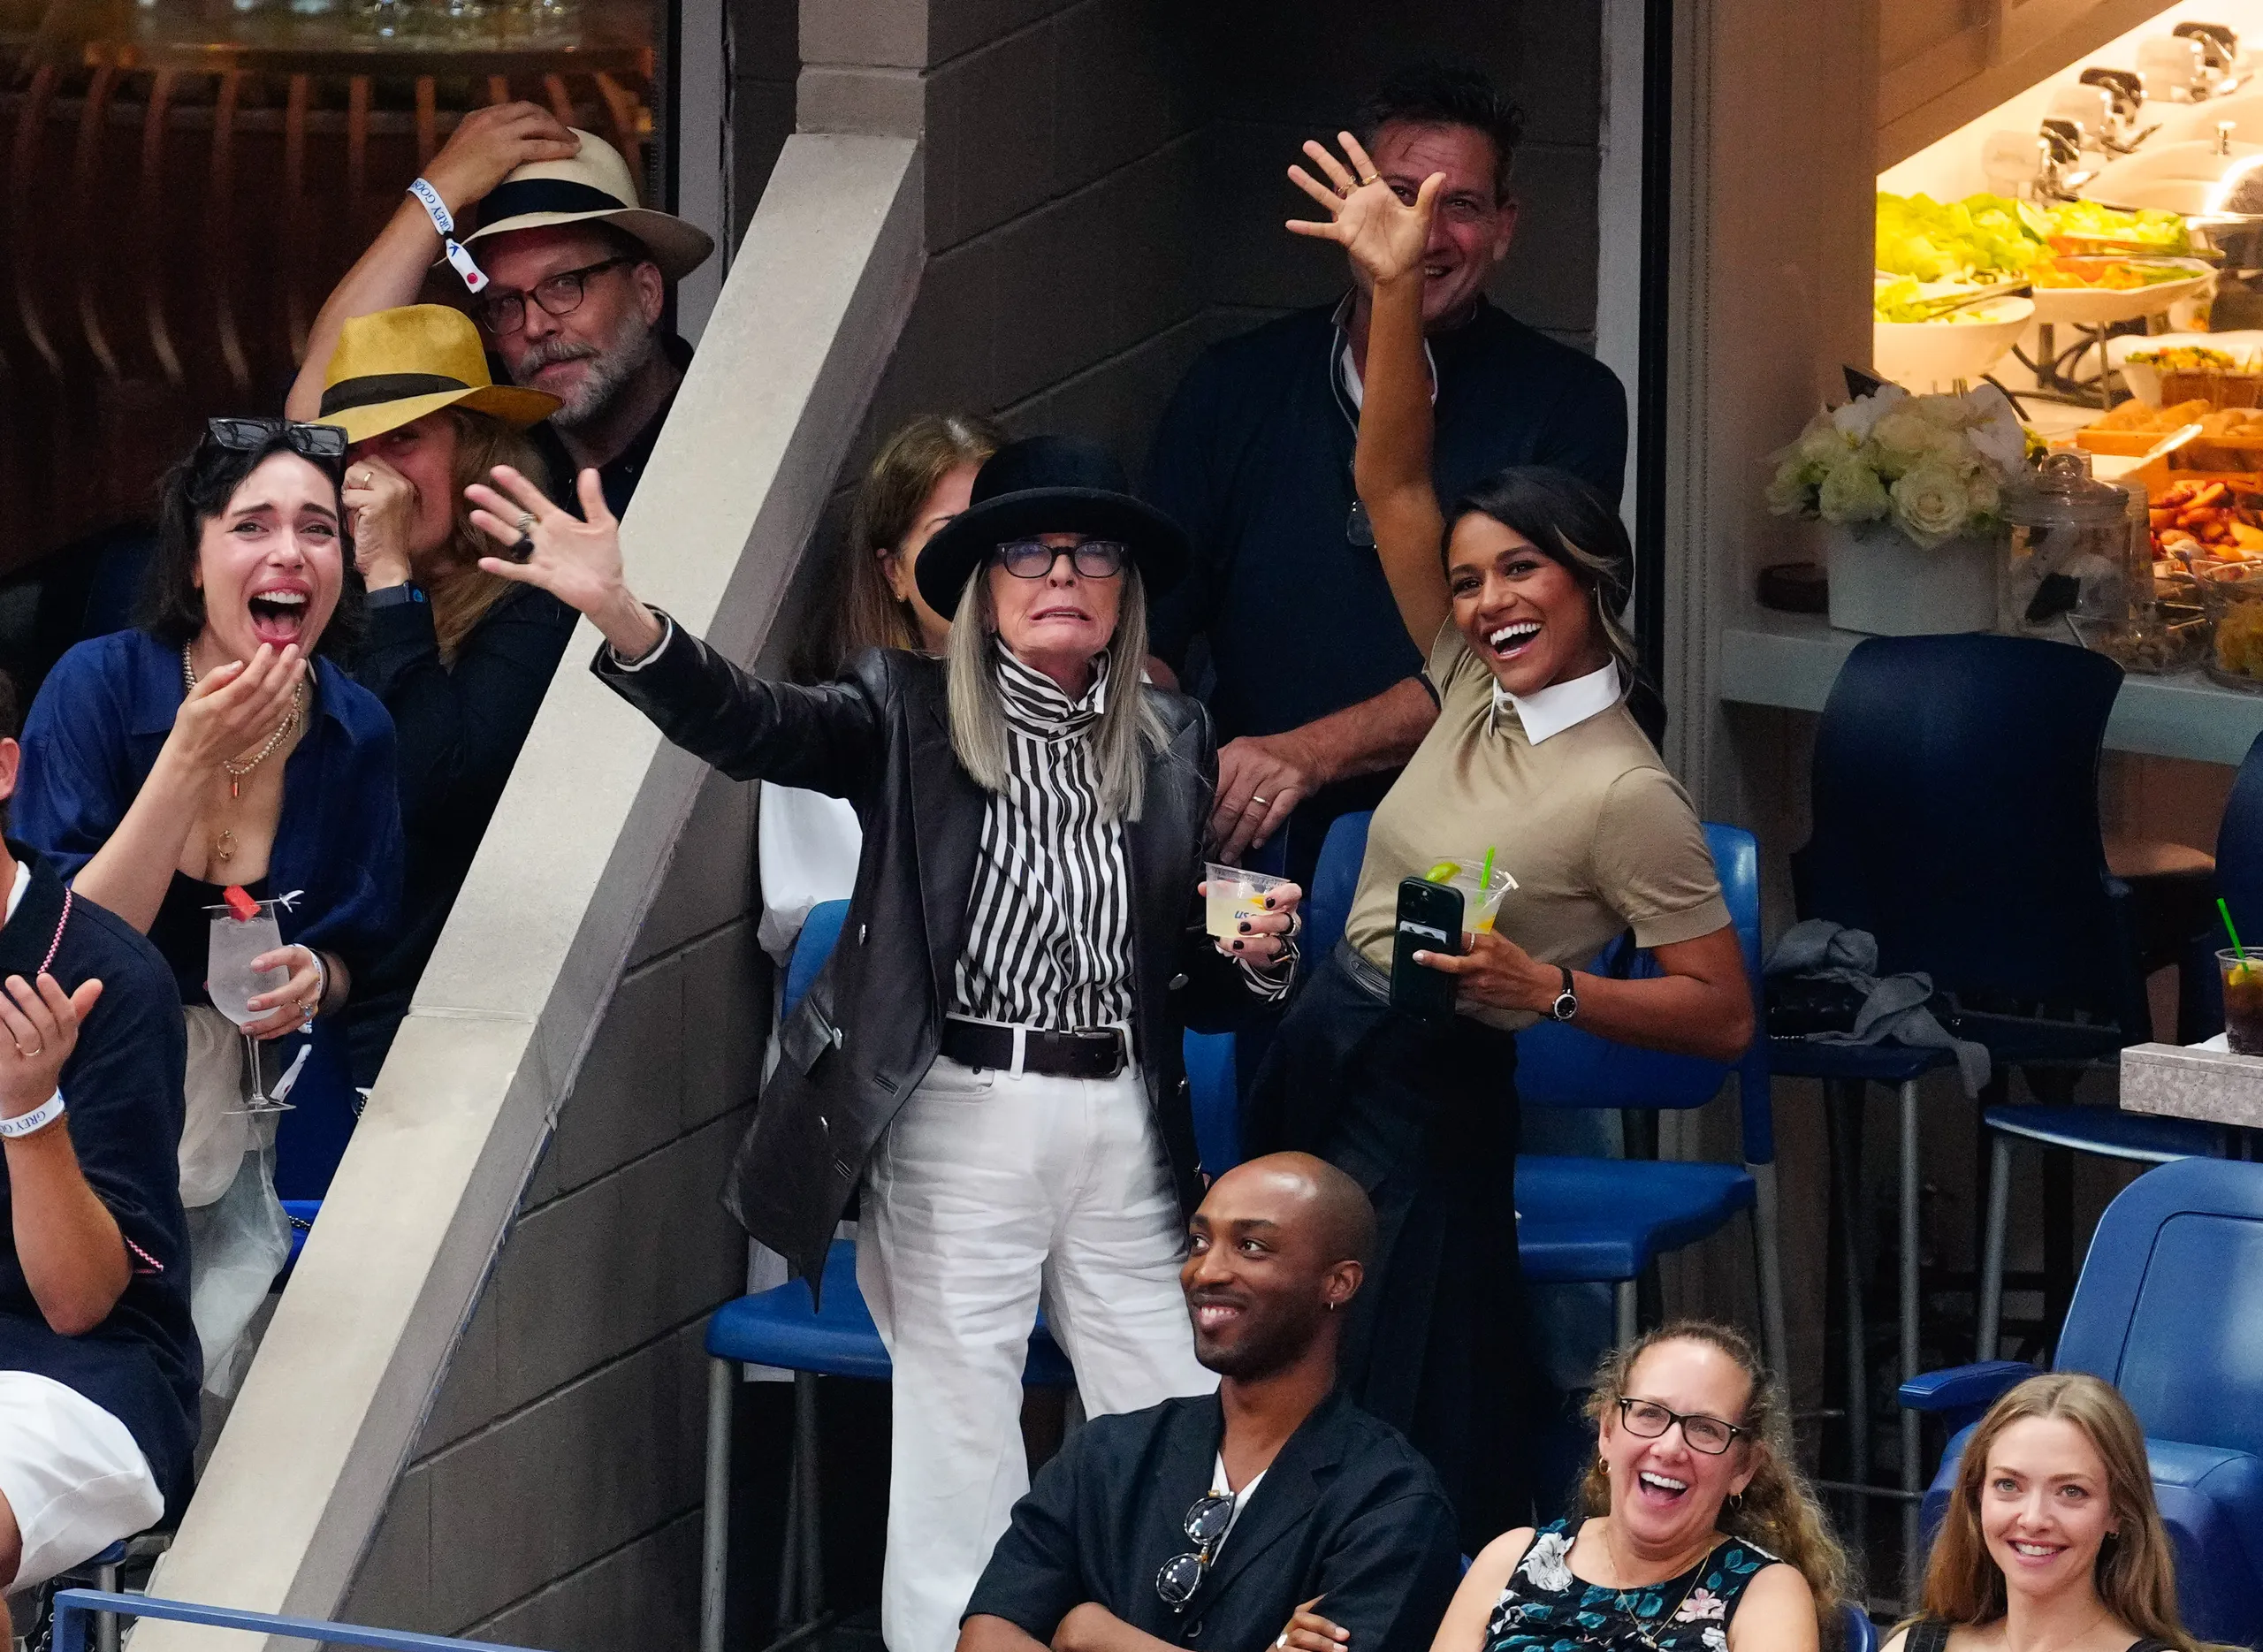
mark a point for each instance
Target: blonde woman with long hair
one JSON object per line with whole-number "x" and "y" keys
{"x": 1696, "y": 1532}
{"x": 2053, "y": 1541}
{"x": 460, "y": 657}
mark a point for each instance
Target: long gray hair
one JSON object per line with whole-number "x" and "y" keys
{"x": 1127, "y": 730}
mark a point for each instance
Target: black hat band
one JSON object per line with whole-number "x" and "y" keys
{"x": 372, "y": 388}
{"x": 546, "y": 194}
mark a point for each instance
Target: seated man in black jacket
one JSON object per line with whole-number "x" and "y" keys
{"x": 99, "y": 1362}
{"x": 1212, "y": 1522}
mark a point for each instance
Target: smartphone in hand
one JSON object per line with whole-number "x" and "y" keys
{"x": 1429, "y": 920}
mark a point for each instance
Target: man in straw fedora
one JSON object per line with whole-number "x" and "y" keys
{"x": 567, "y": 277}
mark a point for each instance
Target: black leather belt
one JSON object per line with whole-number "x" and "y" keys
{"x": 1084, "y": 1053}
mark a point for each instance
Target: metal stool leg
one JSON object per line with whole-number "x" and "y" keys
{"x": 107, "y": 1633}
{"x": 1843, "y": 1116}
{"x": 1769, "y": 1259}
{"x": 1911, "y": 1486}
{"x": 1992, "y": 1257}
{"x": 715, "y": 1531}
{"x": 805, "y": 1451}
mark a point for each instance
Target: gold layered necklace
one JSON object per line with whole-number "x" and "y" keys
{"x": 224, "y": 847}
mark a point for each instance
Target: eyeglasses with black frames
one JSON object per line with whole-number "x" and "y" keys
{"x": 504, "y": 313}
{"x": 248, "y": 435}
{"x": 1206, "y": 1526}
{"x": 1648, "y": 1420}
{"x": 1094, "y": 558}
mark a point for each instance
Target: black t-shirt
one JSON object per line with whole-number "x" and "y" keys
{"x": 1347, "y": 1510}
{"x": 123, "y": 1087}
{"x": 1254, "y": 459}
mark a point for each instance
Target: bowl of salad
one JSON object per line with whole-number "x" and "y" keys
{"x": 1922, "y": 348}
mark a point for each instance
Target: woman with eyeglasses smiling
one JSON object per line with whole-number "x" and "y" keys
{"x": 1697, "y": 1533}
{"x": 993, "y": 1050}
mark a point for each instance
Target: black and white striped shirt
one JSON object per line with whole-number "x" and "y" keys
{"x": 1049, "y": 935}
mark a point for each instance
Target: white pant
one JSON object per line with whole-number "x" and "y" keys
{"x": 986, "y": 1192}
{"x": 73, "y": 1476}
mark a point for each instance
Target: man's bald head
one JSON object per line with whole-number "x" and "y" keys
{"x": 1279, "y": 1246}
{"x": 1336, "y": 1207}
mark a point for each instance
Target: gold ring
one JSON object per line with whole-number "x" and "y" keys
{"x": 1254, "y": 798}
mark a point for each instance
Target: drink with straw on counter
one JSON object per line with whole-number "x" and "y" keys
{"x": 1233, "y": 896}
{"x": 1481, "y": 883}
{"x": 2243, "y": 979}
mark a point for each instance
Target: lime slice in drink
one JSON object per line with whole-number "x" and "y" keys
{"x": 1442, "y": 872}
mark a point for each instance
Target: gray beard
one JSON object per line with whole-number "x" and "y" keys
{"x": 611, "y": 368}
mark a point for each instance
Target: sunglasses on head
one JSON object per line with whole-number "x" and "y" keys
{"x": 324, "y": 442}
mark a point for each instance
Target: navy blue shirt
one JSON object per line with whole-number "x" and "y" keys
{"x": 1254, "y": 459}
{"x": 92, "y": 738}
{"x": 122, "y": 1085}
{"x": 94, "y": 735}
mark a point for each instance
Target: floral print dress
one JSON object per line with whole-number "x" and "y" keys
{"x": 1546, "y": 1609}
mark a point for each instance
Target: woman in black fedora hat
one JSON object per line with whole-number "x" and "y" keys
{"x": 994, "y": 1049}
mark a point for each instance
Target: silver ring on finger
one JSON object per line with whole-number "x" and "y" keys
{"x": 526, "y": 524}
{"x": 1296, "y": 926}
{"x": 1262, "y": 802}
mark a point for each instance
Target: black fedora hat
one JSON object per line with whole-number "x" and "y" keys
{"x": 1049, "y": 485}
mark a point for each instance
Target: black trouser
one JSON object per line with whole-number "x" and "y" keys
{"x": 1425, "y": 1118}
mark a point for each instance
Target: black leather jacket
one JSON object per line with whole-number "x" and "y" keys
{"x": 862, "y": 1038}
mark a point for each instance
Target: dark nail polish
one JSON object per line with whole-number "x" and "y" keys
{"x": 1245, "y": 928}
{"x": 1238, "y": 945}
{"x": 1268, "y": 903}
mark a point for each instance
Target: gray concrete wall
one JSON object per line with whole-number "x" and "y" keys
{"x": 1107, "y": 179}
{"x": 552, "y": 1499}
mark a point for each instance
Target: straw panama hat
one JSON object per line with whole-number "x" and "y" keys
{"x": 592, "y": 185}
{"x": 395, "y": 366}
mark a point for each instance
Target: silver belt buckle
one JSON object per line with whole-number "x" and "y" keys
{"x": 1111, "y": 1037}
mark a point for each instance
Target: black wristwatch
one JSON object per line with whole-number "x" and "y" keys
{"x": 1566, "y": 1003}
{"x": 394, "y": 595}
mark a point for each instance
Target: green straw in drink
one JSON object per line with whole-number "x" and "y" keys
{"x": 1485, "y": 873}
{"x": 2231, "y": 930}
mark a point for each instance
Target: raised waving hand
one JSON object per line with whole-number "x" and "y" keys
{"x": 576, "y": 560}
{"x": 1382, "y": 235}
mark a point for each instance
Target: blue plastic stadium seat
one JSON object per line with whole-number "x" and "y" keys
{"x": 1603, "y": 1221}
{"x": 2166, "y": 1310}
{"x": 778, "y": 1327}
{"x": 1576, "y": 1221}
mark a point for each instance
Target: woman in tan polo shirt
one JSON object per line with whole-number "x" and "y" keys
{"x": 1535, "y": 754}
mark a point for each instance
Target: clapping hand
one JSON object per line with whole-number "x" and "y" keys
{"x": 577, "y": 562}
{"x": 1382, "y": 235}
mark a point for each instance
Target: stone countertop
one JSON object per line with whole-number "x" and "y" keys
{"x": 2202, "y": 1081}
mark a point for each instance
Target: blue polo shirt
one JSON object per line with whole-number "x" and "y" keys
{"x": 92, "y": 737}
{"x": 122, "y": 1085}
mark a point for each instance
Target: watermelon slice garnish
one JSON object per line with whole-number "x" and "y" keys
{"x": 239, "y": 901}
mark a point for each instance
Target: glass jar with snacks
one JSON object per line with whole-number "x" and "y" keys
{"x": 2235, "y": 606}
{"x": 2073, "y": 545}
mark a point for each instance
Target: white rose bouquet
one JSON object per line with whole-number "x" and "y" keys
{"x": 1933, "y": 466}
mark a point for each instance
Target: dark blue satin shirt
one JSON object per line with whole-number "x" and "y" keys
{"x": 92, "y": 738}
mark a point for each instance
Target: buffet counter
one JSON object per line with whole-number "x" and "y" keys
{"x": 1791, "y": 660}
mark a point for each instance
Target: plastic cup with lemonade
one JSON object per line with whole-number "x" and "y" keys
{"x": 1480, "y": 905}
{"x": 2243, "y": 979}
{"x": 1232, "y": 897}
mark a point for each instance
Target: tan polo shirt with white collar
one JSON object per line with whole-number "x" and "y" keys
{"x": 1599, "y": 837}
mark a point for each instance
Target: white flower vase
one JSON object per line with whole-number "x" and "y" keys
{"x": 1883, "y": 583}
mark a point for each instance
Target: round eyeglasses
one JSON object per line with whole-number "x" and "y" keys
{"x": 1094, "y": 558}
{"x": 1648, "y": 1420}
{"x": 1206, "y": 1526}
{"x": 506, "y": 312}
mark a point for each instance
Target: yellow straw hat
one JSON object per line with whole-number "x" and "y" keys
{"x": 395, "y": 366}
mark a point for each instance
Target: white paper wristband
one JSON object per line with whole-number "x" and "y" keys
{"x": 458, "y": 255}
{"x": 38, "y": 1119}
